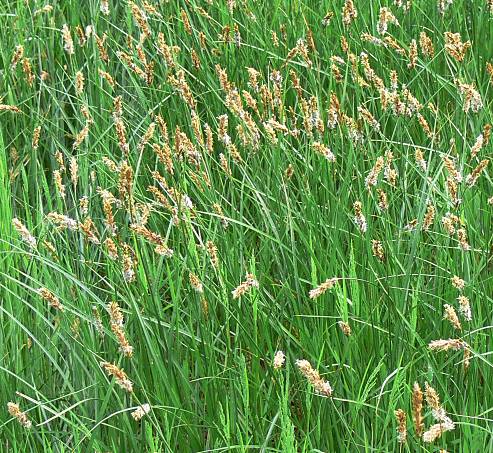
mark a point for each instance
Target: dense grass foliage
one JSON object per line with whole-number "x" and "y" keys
{"x": 245, "y": 225}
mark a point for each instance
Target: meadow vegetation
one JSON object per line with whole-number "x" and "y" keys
{"x": 245, "y": 225}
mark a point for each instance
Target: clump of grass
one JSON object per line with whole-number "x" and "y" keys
{"x": 195, "y": 194}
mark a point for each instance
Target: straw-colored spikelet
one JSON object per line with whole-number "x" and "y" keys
{"x": 367, "y": 117}
{"x": 84, "y": 110}
{"x": 377, "y": 249}
{"x": 108, "y": 200}
{"x": 68, "y": 43}
{"x": 209, "y": 139}
{"x": 164, "y": 155}
{"x": 476, "y": 173}
{"x": 245, "y": 286}
{"x": 186, "y": 22}
{"x": 57, "y": 176}
{"x": 104, "y": 7}
{"x": 109, "y": 164}
{"x": 400, "y": 416}
{"x": 447, "y": 345}
{"x": 24, "y": 233}
{"x": 434, "y": 432}
{"x": 486, "y": 133}
{"x": 140, "y": 18}
{"x": 100, "y": 43}
{"x": 383, "y": 203}
{"x": 359, "y": 218}
{"x": 53, "y": 300}
{"x": 411, "y": 226}
{"x": 116, "y": 323}
{"x": 370, "y": 74}
{"x": 129, "y": 262}
{"x": 212, "y": 251}
{"x": 111, "y": 248}
{"x": 462, "y": 238}
{"x": 334, "y": 111}
{"x": 372, "y": 178}
{"x": 235, "y": 154}
{"x": 455, "y": 47}
{"x": 17, "y": 56}
{"x": 443, "y": 6}
{"x": 74, "y": 171}
{"x": 79, "y": 83}
{"x": 75, "y": 327}
{"x": 62, "y": 221}
{"x": 125, "y": 181}
{"x": 279, "y": 360}
{"x": 324, "y": 151}
{"x": 438, "y": 412}
{"x": 253, "y": 76}
{"x": 15, "y": 411}
{"x": 36, "y": 136}
{"x": 420, "y": 160}
{"x": 467, "y": 359}
{"x": 320, "y": 385}
{"x": 345, "y": 328}
{"x": 137, "y": 69}
{"x": 413, "y": 54}
{"x": 426, "y": 127}
{"x": 451, "y": 168}
{"x": 168, "y": 52}
{"x": 389, "y": 41}
{"x": 451, "y": 316}
{"x": 390, "y": 173}
{"x": 28, "y": 72}
{"x": 452, "y": 190}
{"x": 149, "y": 133}
{"x": 205, "y": 306}
{"x": 426, "y": 45}
{"x": 323, "y": 287}
{"x": 289, "y": 172}
{"x": 179, "y": 82}
{"x": 417, "y": 406}
{"x": 478, "y": 146}
{"x": 196, "y": 283}
{"x": 470, "y": 97}
{"x": 372, "y": 39}
{"x": 327, "y": 18}
{"x": 385, "y": 18}
{"x": 349, "y": 12}
{"x": 120, "y": 376}
{"x": 150, "y": 9}
{"x": 429, "y": 217}
{"x": 9, "y": 108}
{"x": 120, "y": 127}
{"x": 449, "y": 221}
{"x": 224, "y": 164}
{"x": 88, "y": 228}
{"x": 458, "y": 283}
{"x": 81, "y": 136}
{"x": 106, "y": 76}
{"x": 155, "y": 238}
{"x": 142, "y": 410}
{"x": 465, "y": 307}
{"x": 98, "y": 323}
{"x": 222, "y": 130}
{"x": 84, "y": 35}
